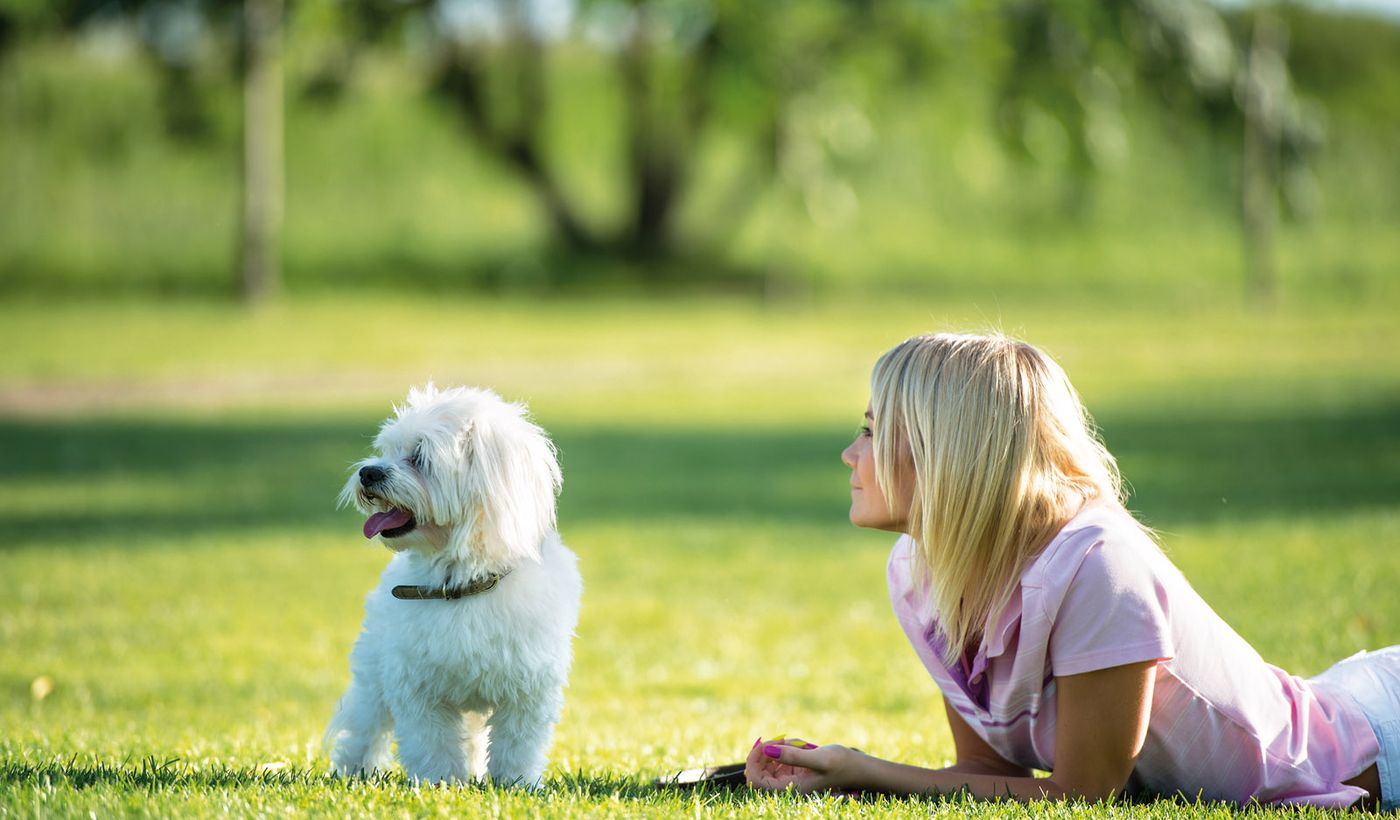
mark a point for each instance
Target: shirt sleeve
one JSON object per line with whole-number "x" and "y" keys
{"x": 1113, "y": 613}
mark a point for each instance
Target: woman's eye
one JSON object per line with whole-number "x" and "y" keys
{"x": 865, "y": 431}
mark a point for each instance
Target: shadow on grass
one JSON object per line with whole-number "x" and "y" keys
{"x": 151, "y": 773}
{"x": 68, "y": 481}
{"x": 1202, "y": 466}
{"x": 540, "y": 271}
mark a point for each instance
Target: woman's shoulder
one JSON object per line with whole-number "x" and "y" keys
{"x": 1104, "y": 593}
{"x": 1103, "y": 534}
{"x": 1101, "y": 551}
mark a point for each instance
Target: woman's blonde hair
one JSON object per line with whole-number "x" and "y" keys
{"x": 1001, "y": 452}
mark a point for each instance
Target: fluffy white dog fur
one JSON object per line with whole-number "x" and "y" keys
{"x": 463, "y": 487}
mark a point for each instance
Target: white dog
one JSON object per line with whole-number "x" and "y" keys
{"x": 467, "y": 640}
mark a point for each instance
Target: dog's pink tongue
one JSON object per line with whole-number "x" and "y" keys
{"x": 379, "y": 522}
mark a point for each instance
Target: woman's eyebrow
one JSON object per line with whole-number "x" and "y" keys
{"x": 867, "y": 415}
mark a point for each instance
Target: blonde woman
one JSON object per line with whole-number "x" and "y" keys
{"x": 1062, "y": 639}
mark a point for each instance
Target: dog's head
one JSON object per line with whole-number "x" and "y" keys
{"x": 459, "y": 472}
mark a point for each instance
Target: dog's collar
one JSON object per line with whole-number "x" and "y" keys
{"x": 446, "y": 593}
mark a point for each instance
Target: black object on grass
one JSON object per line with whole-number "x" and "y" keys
{"x": 729, "y": 776}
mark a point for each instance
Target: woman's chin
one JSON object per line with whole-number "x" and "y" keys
{"x": 876, "y": 522}
{"x": 864, "y": 521}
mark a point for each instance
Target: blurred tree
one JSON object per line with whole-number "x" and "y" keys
{"x": 1072, "y": 61}
{"x": 1349, "y": 58}
{"x": 175, "y": 35}
{"x": 677, "y": 62}
{"x": 261, "y": 223}
{"x": 179, "y": 36}
{"x": 684, "y": 67}
{"x": 1264, "y": 92}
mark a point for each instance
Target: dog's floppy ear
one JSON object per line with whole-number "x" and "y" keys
{"x": 515, "y": 478}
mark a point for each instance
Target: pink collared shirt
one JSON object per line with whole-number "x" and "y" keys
{"x": 1224, "y": 724}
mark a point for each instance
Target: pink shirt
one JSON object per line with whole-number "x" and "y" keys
{"x": 1224, "y": 724}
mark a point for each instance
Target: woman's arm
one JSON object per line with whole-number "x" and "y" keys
{"x": 1102, "y": 723}
{"x": 974, "y": 755}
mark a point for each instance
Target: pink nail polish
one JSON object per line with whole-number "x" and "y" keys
{"x": 755, "y": 744}
{"x": 772, "y": 751}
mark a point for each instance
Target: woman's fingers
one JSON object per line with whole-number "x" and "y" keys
{"x": 784, "y": 740}
{"x": 791, "y": 755}
{"x": 781, "y": 762}
{"x": 762, "y": 770}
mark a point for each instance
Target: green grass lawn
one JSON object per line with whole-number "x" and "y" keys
{"x": 175, "y": 572}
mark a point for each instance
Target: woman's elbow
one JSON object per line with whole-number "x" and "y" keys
{"x": 1087, "y": 789}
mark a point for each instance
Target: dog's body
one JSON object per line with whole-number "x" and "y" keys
{"x": 463, "y": 490}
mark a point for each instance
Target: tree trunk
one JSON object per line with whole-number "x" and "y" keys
{"x": 462, "y": 79}
{"x": 1265, "y": 85}
{"x": 261, "y": 226}
{"x": 652, "y": 157}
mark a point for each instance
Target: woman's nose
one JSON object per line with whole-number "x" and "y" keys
{"x": 848, "y": 457}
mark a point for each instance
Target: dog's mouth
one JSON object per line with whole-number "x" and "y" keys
{"x": 390, "y": 524}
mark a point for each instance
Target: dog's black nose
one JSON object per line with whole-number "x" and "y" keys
{"x": 371, "y": 475}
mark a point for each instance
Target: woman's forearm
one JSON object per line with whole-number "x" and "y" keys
{"x": 1000, "y": 768}
{"x": 874, "y": 774}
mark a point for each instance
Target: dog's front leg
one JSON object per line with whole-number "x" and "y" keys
{"x": 477, "y": 741}
{"x": 433, "y": 743}
{"x": 360, "y": 731}
{"x": 520, "y": 735}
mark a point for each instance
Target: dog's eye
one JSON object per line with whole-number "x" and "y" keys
{"x": 414, "y": 459}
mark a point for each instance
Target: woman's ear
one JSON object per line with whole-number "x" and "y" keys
{"x": 514, "y": 480}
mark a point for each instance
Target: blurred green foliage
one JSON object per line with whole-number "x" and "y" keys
{"x": 1349, "y": 61}
{"x": 892, "y": 172}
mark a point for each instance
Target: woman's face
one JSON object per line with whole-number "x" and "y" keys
{"x": 868, "y": 506}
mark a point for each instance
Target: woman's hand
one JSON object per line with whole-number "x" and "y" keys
{"x": 784, "y": 763}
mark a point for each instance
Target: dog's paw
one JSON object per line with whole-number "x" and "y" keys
{"x": 523, "y": 782}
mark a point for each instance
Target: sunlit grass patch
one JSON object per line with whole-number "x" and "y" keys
{"x": 182, "y": 594}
